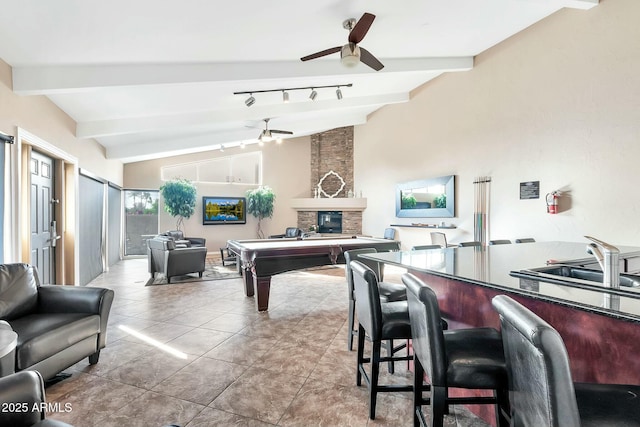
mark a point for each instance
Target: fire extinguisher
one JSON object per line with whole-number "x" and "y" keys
{"x": 552, "y": 202}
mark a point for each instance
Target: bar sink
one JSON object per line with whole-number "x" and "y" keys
{"x": 581, "y": 273}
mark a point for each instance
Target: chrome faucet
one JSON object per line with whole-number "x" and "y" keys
{"x": 608, "y": 257}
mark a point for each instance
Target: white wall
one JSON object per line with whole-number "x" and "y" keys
{"x": 285, "y": 169}
{"x": 558, "y": 103}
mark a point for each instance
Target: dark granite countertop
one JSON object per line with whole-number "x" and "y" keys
{"x": 491, "y": 266}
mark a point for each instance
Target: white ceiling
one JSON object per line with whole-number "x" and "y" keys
{"x": 150, "y": 78}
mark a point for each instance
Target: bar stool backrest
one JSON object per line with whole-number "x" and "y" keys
{"x": 541, "y": 390}
{"x": 426, "y": 329}
{"x": 367, "y": 296}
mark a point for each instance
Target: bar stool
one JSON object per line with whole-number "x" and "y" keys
{"x": 378, "y": 321}
{"x": 388, "y": 291}
{"x": 542, "y": 392}
{"x": 463, "y": 358}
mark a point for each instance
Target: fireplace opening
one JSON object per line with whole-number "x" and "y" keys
{"x": 330, "y": 222}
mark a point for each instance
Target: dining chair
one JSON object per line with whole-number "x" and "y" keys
{"x": 439, "y": 238}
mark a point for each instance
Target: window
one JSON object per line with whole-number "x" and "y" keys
{"x": 239, "y": 169}
{"x": 141, "y": 220}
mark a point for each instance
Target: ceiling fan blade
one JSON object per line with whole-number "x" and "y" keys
{"x": 360, "y": 29}
{"x": 321, "y": 53}
{"x": 370, "y": 60}
{"x": 285, "y": 132}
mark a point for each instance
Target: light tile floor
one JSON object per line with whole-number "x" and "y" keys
{"x": 230, "y": 366}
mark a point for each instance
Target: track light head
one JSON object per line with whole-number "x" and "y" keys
{"x": 285, "y": 97}
{"x": 313, "y": 95}
{"x": 339, "y": 93}
{"x": 250, "y": 101}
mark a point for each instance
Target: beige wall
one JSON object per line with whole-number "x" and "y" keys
{"x": 558, "y": 103}
{"x": 285, "y": 169}
{"x": 39, "y": 116}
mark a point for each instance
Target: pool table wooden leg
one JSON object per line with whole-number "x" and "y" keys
{"x": 247, "y": 277}
{"x": 263, "y": 285}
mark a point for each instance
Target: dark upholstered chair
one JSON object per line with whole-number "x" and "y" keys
{"x": 164, "y": 256}
{"x": 473, "y": 243}
{"x": 57, "y": 326}
{"x": 290, "y": 232}
{"x": 388, "y": 291}
{"x": 182, "y": 241}
{"x": 499, "y": 242}
{"x": 526, "y": 240}
{"x": 421, "y": 247}
{"x": 462, "y": 358}
{"x": 24, "y": 390}
{"x": 542, "y": 392}
{"x": 378, "y": 321}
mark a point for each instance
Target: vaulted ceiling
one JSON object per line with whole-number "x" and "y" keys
{"x": 150, "y": 78}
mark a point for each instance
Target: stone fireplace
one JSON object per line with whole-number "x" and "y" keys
{"x": 332, "y": 151}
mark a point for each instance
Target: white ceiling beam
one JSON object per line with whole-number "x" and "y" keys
{"x": 100, "y": 128}
{"x": 162, "y": 148}
{"x": 571, "y": 4}
{"x": 47, "y": 80}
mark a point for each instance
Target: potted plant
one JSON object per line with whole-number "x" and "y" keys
{"x": 260, "y": 204}
{"x": 179, "y": 199}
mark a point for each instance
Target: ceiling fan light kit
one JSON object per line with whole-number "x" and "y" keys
{"x": 350, "y": 55}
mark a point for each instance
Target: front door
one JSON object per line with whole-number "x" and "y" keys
{"x": 42, "y": 221}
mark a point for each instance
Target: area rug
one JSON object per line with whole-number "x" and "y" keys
{"x": 213, "y": 271}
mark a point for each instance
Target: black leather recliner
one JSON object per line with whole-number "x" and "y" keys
{"x": 165, "y": 257}
{"x": 57, "y": 326}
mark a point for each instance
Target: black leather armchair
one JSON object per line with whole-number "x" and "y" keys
{"x": 57, "y": 326}
{"x": 181, "y": 241}
{"x": 290, "y": 232}
{"x": 164, "y": 256}
{"x": 22, "y": 398}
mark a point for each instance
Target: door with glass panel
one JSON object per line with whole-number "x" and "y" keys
{"x": 141, "y": 220}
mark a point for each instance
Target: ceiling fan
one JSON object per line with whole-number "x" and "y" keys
{"x": 351, "y": 54}
{"x": 267, "y": 134}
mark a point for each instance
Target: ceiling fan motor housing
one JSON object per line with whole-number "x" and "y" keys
{"x": 350, "y": 55}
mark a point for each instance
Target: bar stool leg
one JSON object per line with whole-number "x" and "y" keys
{"x": 350, "y": 324}
{"x": 375, "y": 374}
{"x": 360, "y": 355}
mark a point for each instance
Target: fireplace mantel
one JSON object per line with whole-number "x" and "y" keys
{"x": 330, "y": 204}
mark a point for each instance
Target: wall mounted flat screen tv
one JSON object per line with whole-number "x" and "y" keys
{"x": 224, "y": 210}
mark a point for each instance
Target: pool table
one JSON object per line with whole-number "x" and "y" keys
{"x": 261, "y": 259}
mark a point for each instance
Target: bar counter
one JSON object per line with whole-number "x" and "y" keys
{"x": 602, "y": 343}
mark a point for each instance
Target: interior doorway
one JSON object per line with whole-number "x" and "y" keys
{"x": 42, "y": 219}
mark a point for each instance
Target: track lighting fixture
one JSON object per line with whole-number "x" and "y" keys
{"x": 285, "y": 92}
{"x": 6, "y": 138}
